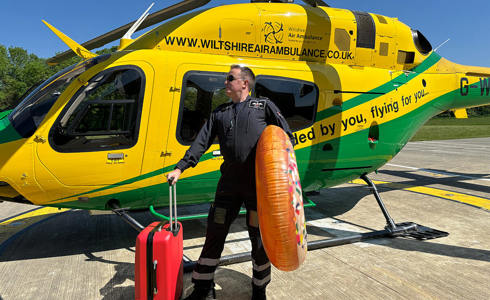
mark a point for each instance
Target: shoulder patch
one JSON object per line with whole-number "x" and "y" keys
{"x": 257, "y": 104}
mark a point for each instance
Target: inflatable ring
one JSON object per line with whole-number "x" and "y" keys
{"x": 280, "y": 200}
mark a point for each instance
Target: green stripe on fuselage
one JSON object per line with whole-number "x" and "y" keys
{"x": 380, "y": 90}
{"x": 134, "y": 179}
{"x": 356, "y": 101}
{"x": 7, "y": 131}
{"x": 200, "y": 188}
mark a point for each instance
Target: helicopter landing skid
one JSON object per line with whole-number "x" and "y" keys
{"x": 392, "y": 230}
{"x": 406, "y": 229}
{"x": 121, "y": 212}
{"x": 416, "y": 231}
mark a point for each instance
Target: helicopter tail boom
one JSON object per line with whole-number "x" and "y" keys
{"x": 472, "y": 86}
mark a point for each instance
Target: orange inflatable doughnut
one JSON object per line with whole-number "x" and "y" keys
{"x": 279, "y": 200}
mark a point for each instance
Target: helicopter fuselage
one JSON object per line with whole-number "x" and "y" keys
{"x": 354, "y": 88}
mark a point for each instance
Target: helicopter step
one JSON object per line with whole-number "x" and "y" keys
{"x": 406, "y": 229}
{"x": 416, "y": 231}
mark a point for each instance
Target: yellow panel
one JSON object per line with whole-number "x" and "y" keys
{"x": 342, "y": 39}
{"x": 364, "y": 57}
{"x": 230, "y": 28}
{"x": 460, "y": 113}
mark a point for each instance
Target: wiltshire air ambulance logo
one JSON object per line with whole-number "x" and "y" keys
{"x": 273, "y": 32}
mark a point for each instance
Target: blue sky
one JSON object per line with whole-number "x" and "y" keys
{"x": 466, "y": 23}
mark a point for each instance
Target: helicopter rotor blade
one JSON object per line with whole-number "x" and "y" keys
{"x": 118, "y": 33}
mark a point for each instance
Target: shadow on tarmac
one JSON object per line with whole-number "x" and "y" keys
{"x": 409, "y": 244}
{"x": 124, "y": 271}
{"x": 228, "y": 281}
{"x": 415, "y": 179}
{"x": 76, "y": 232}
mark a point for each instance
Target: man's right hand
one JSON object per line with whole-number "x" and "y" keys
{"x": 175, "y": 174}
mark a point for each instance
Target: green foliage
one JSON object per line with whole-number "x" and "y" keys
{"x": 451, "y": 128}
{"x": 472, "y": 112}
{"x": 19, "y": 71}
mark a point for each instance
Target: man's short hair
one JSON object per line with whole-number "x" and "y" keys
{"x": 246, "y": 74}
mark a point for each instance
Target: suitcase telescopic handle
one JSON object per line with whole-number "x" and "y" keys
{"x": 172, "y": 201}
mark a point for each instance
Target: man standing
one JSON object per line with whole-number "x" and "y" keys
{"x": 238, "y": 126}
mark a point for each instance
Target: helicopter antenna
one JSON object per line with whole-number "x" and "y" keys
{"x": 137, "y": 23}
{"x": 437, "y": 48}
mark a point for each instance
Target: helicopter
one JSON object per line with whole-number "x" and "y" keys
{"x": 100, "y": 135}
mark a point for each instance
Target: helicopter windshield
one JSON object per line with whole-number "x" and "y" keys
{"x": 27, "y": 116}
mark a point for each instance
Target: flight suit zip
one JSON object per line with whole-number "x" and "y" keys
{"x": 248, "y": 121}
{"x": 235, "y": 118}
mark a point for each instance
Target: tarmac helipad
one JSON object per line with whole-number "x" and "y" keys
{"x": 50, "y": 254}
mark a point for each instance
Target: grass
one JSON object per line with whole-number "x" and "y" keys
{"x": 451, "y": 128}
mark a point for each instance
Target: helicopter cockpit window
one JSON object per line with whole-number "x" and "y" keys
{"x": 29, "y": 114}
{"x": 104, "y": 114}
{"x": 202, "y": 93}
{"x": 297, "y": 99}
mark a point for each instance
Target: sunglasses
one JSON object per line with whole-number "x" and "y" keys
{"x": 230, "y": 78}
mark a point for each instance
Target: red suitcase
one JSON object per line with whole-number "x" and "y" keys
{"x": 159, "y": 252}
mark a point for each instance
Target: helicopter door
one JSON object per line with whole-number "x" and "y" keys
{"x": 99, "y": 137}
{"x": 201, "y": 93}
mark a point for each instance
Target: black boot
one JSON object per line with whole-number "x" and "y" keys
{"x": 258, "y": 293}
{"x": 200, "y": 293}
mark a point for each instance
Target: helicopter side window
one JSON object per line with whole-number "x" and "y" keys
{"x": 203, "y": 92}
{"x": 405, "y": 57}
{"x": 104, "y": 114}
{"x": 297, "y": 99}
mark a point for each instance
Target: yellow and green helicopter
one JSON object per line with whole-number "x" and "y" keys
{"x": 353, "y": 86}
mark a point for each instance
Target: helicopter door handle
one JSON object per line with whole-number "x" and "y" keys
{"x": 115, "y": 158}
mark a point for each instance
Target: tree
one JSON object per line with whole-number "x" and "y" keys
{"x": 19, "y": 70}
{"x": 4, "y": 64}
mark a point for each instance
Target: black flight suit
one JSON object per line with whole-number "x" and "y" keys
{"x": 238, "y": 127}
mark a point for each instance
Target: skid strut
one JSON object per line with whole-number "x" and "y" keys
{"x": 127, "y": 218}
{"x": 406, "y": 229}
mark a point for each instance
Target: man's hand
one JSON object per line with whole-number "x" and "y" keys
{"x": 175, "y": 174}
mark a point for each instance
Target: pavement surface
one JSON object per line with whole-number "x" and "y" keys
{"x": 69, "y": 254}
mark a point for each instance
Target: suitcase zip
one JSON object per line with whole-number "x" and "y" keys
{"x": 151, "y": 275}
